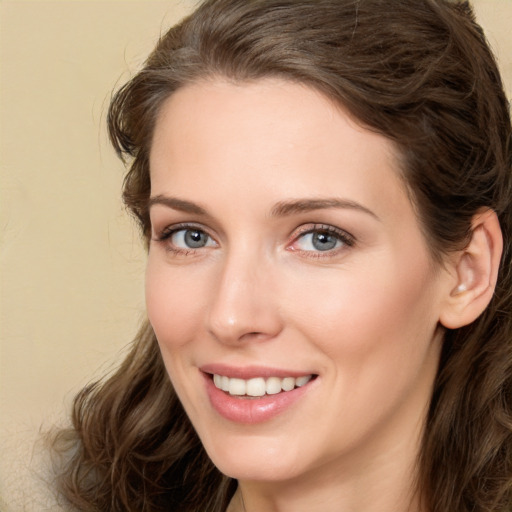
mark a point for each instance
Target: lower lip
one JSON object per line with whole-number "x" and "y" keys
{"x": 252, "y": 410}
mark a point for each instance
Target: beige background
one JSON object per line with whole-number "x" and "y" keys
{"x": 71, "y": 262}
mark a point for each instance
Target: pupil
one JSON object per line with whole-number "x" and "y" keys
{"x": 195, "y": 239}
{"x": 324, "y": 241}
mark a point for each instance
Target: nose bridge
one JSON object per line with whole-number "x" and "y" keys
{"x": 242, "y": 304}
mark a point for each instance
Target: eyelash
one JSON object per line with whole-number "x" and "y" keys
{"x": 169, "y": 231}
{"x": 346, "y": 239}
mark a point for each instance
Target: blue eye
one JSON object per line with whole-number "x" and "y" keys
{"x": 323, "y": 239}
{"x": 191, "y": 239}
{"x": 318, "y": 241}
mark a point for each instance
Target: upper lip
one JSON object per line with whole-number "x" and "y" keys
{"x": 251, "y": 372}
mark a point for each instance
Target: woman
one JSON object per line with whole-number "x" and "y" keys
{"x": 325, "y": 192}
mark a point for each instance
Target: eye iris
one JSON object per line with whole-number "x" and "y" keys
{"x": 195, "y": 239}
{"x": 324, "y": 241}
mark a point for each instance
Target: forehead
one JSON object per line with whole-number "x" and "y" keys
{"x": 272, "y": 137}
{"x": 265, "y": 104}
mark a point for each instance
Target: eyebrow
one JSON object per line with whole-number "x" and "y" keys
{"x": 284, "y": 208}
{"x": 177, "y": 204}
{"x": 280, "y": 209}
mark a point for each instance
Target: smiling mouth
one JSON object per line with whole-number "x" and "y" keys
{"x": 259, "y": 386}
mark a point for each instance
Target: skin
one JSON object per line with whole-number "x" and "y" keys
{"x": 363, "y": 316}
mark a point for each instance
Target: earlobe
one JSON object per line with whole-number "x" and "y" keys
{"x": 476, "y": 269}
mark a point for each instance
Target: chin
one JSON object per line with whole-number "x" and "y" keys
{"x": 256, "y": 458}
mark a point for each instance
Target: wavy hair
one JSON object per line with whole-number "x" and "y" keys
{"x": 419, "y": 72}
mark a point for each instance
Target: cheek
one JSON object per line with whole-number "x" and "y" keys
{"x": 359, "y": 313}
{"x": 173, "y": 302}
{"x": 377, "y": 333}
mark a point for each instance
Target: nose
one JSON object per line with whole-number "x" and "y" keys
{"x": 243, "y": 305}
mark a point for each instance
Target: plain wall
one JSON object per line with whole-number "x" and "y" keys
{"x": 72, "y": 263}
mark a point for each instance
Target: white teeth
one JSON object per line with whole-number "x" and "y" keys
{"x": 237, "y": 387}
{"x": 273, "y": 386}
{"x": 301, "y": 381}
{"x": 258, "y": 386}
{"x": 288, "y": 383}
{"x": 224, "y": 383}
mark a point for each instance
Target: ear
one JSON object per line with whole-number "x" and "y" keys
{"x": 476, "y": 272}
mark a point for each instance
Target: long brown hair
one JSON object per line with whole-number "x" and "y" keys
{"x": 419, "y": 72}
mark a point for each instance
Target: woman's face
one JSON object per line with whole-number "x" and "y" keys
{"x": 287, "y": 267}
